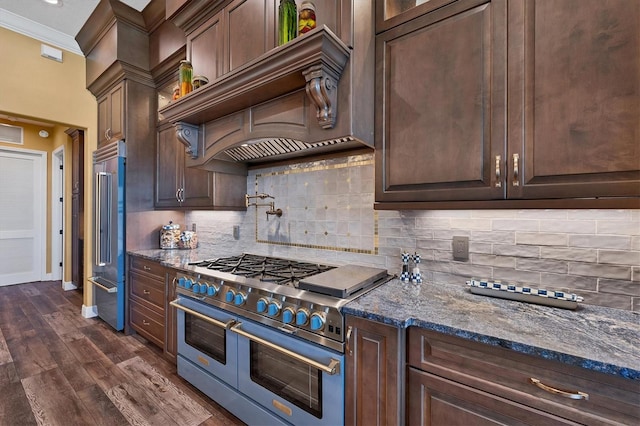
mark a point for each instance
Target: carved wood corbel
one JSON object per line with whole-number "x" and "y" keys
{"x": 188, "y": 135}
{"x": 322, "y": 89}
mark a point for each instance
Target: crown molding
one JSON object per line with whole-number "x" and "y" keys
{"x": 29, "y": 28}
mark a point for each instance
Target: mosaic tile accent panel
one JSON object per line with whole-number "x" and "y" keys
{"x": 327, "y": 205}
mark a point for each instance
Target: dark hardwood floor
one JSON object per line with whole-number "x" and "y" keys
{"x": 58, "y": 368}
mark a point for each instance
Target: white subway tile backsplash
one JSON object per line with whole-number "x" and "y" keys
{"x": 601, "y": 241}
{"x": 569, "y": 253}
{"x": 568, "y": 226}
{"x": 619, "y": 257}
{"x": 601, "y": 271}
{"x": 542, "y": 265}
{"x": 515, "y": 225}
{"x": 629, "y": 288}
{"x": 541, "y": 239}
{"x": 329, "y": 217}
{"x": 618, "y": 227}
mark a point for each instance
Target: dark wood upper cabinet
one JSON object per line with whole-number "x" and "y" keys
{"x": 574, "y": 99}
{"x": 111, "y": 118}
{"x": 516, "y": 101}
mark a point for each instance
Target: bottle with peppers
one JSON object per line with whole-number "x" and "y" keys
{"x": 307, "y": 18}
{"x": 287, "y": 21}
{"x": 185, "y": 77}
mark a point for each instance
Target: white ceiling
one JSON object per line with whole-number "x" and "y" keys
{"x": 54, "y": 25}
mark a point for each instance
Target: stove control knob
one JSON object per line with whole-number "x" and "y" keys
{"x": 230, "y": 295}
{"x": 212, "y": 290}
{"x": 240, "y": 298}
{"x": 302, "y": 316}
{"x": 273, "y": 309}
{"x": 195, "y": 288}
{"x": 261, "y": 305}
{"x": 182, "y": 281}
{"x": 317, "y": 321}
{"x": 188, "y": 282}
{"x": 288, "y": 315}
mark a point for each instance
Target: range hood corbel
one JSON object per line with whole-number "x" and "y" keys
{"x": 188, "y": 135}
{"x": 322, "y": 89}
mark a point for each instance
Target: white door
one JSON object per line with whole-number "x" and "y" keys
{"x": 22, "y": 215}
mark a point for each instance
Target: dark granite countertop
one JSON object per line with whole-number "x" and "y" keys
{"x": 180, "y": 259}
{"x": 593, "y": 337}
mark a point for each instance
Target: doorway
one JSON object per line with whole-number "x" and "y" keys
{"x": 23, "y": 189}
{"x": 57, "y": 215}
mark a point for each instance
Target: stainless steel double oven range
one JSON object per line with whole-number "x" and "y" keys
{"x": 264, "y": 337}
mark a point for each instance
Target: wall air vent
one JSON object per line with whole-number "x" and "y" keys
{"x": 11, "y": 134}
{"x": 268, "y": 148}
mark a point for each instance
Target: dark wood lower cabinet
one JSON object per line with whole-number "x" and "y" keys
{"x": 434, "y": 400}
{"x": 454, "y": 381}
{"x": 373, "y": 373}
{"x": 151, "y": 289}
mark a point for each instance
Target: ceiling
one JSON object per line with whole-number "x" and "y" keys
{"x": 56, "y": 25}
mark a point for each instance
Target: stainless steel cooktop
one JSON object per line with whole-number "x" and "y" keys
{"x": 297, "y": 297}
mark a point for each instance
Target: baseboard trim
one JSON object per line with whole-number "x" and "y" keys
{"x": 68, "y": 285}
{"x": 89, "y": 311}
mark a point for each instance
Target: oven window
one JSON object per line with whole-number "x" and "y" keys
{"x": 288, "y": 378}
{"x": 206, "y": 337}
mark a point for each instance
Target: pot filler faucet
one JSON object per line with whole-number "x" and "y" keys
{"x": 263, "y": 196}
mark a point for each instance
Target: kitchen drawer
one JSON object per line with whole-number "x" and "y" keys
{"x": 147, "y": 266}
{"x": 147, "y": 323}
{"x": 508, "y": 374}
{"x": 143, "y": 288}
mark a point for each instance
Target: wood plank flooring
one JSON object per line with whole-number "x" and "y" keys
{"x": 58, "y": 368}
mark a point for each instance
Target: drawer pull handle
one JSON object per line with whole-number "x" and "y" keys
{"x": 145, "y": 291}
{"x": 516, "y": 172}
{"x": 145, "y": 322}
{"x": 146, "y": 268}
{"x": 498, "y": 174}
{"x": 566, "y": 394}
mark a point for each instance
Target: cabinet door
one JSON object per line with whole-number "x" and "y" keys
{"x": 250, "y": 31}
{"x": 170, "y": 340}
{"x": 111, "y": 115}
{"x": 372, "y": 373}
{"x": 117, "y": 120}
{"x": 103, "y": 119}
{"x": 440, "y": 124}
{"x": 169, "y": 164}
{"x": 177, "y": 185}
{"x": 574, "y": 98}
{"x": 197, "y": 187}
{"x": 204, "y": 48}
{"x": 433, "y": 400}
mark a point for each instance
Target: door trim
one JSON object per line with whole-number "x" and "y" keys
{"x": 57, "y": 215}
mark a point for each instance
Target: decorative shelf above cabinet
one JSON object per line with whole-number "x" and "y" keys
{"x": 314, "y": 61}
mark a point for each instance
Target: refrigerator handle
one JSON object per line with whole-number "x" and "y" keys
{"x": 103, "y": 194}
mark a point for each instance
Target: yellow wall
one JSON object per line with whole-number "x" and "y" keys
{"x": 35, "y": 87}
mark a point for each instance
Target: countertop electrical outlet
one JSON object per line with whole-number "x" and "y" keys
{"x": 460, "y": 248}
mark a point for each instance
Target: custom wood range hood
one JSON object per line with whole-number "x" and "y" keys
{"x": 310, "y": 96}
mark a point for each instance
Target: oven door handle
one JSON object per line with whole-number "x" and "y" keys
{"x": 331, "y": 369}
{"x": 203, "y": 317}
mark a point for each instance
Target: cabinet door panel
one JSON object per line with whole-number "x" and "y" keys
{"x": 574, "y": 95}
{"x": 117, "y": 112}
{"x": 249, "y": 31}
{"x": 198, "y": 187}
{"x": 103, "y": 120}
{"x": 168, "y": 168}
{"x": 204, "y": 49}
{"x": 372, "y": 374}
{"x": 442, "y": 120}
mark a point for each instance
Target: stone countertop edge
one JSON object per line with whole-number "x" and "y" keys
{"x": 608, "y": 337}
{"x": 592, "y": 337}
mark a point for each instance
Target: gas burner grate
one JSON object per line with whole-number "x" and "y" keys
{"x": 265, "y": 268}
